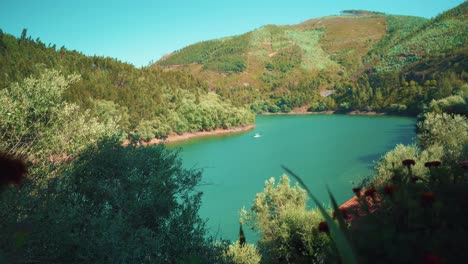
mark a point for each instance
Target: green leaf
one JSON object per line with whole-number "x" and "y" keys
{"x": 341, "y": 242}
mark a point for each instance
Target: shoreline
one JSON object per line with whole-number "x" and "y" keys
{"x": 328, "y": 112}
{"x": 192, "y": 135}
{"x": 174, "y": 138}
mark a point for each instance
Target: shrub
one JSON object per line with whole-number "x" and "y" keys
{"x": 289, "y": 231}
{"x": 113, "y": 205}
{"x": 242, "y": 254}
{"x": 454, "y": 104}
{"x": 36, "y": 121}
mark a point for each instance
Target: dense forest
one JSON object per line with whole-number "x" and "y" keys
{"x": 145, "y": 102}
{"x": 364, "y": 61}
{"x": 71, "y": 193}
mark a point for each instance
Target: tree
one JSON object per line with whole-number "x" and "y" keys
{"x": 37, "y": 122}
{"x": 289, "y": 231}
{"x": 114, "y": 204}
{"x": 445, "y": 88}
{"x": 24, "y": 35}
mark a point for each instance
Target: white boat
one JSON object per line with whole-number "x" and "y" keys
{"x": 257, "y": 135}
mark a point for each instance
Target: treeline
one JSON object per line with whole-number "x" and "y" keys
{"x": 137, "y": 98}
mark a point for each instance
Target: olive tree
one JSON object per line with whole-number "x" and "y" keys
{"x": 289, "y": 232}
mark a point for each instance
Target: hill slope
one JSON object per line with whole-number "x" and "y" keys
{"x": 147, "y": 101}
{"x": 360, "y": 58}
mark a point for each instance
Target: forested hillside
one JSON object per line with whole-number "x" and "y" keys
{"x": 146, "y": 102}
{"x": 357, "y": 61}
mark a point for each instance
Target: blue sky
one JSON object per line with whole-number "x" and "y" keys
{"x": 139, "y": 31}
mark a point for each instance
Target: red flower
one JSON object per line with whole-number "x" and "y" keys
{"x": 432, "y": 164}
{"x": 357, "y": 191}
{"x": 323, "y": 227}
{"x": 408, "y": 162}
{"x": 427, "y": 198}
{"x": 430, "y": 258}
{"x": 370, "y": 192}
{"x": 389, "y": 189}
{"x": 12, "y": 170}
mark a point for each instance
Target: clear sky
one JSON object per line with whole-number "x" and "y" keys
{"x": 138, "y": 31}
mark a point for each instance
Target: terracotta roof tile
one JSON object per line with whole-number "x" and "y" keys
{"x": 353, "y": 206}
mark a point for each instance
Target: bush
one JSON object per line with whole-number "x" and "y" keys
{"x": 289, "y": 231}
{"x": 242, "y": 254}
{"x": 113, "y": 205}
{"x": 397, "y": 108}
{"x": 153, "y": 129}
{"x": 36, "y": 121}
{"x": 454, "y": 104}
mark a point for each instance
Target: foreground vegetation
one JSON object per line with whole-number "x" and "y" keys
{"x": 70, "y": 193}
{"x": 409, "y": 211}
{"x": 86, "y": 198}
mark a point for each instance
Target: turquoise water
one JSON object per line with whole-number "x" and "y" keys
{"x": 325, "y": 150}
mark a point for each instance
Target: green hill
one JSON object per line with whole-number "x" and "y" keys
{"x": 272, "y": 52}
{"x": 444, "y": 34}
{"x": 365, "y": 60}
{"x": 148, "y": 102}
{"x": 360, "y": 60}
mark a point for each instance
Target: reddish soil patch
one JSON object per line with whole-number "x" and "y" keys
{"x": 186, "y": 136}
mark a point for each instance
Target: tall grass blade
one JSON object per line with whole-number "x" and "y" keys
{"x": 341, "y": 242}
{"x": 338, "y": 214}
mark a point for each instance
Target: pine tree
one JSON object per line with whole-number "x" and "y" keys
{"x": 241, "y": 236}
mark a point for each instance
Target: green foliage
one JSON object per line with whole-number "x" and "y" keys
{"x": 397, "y": 108}
{"x": 419, "y": 215}
{"x": 107, "y": 111}
{"x": 338, "y": 231}
{"x": 412, "y": 209}
{"x": 414, "y": 221}
{"x": 242, "y": 254}
{"x": 447, "y": 132}
{"x": 289, "y": 231}
{"x": 417, "y": 60}
{"x": 260, "y": 106}
{"x": 113, "y": 204}
{"x": 112, "y": 89}
{"x": 390, "y": 163}
{"x": 454, "y": 104}
{"x": 445, "y": 32}
{"x": 441, "y": 137}
{"x": 152, "y": 129}
{"x": 317, "y": 107}
{"x": 313, "y": 56}
{"x": 286, "y": 59}
{"x": 226, "y": 55}
{"x": 91, "y": 200}
{"x": 38, "y": 123}
{"x": 345, "y": 106}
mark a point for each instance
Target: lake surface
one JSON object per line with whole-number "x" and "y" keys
{"x": 325, "y": 150}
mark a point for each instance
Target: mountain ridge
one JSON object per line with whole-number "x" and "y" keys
{"x": 328, "y": 53}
